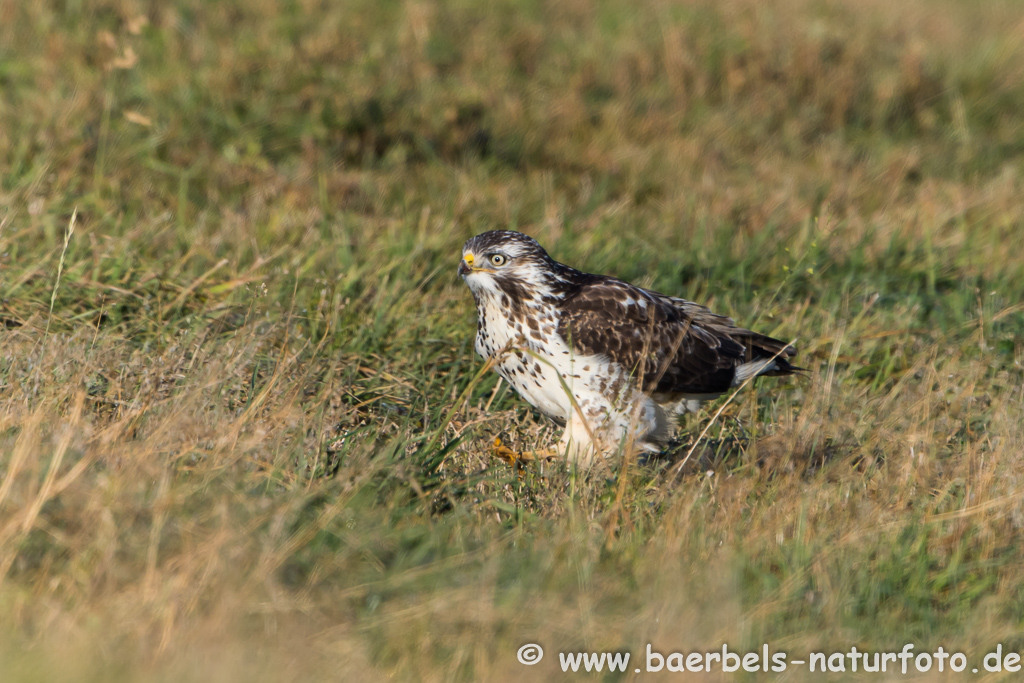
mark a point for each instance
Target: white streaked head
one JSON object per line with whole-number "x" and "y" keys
{"x": 505, "y": 262}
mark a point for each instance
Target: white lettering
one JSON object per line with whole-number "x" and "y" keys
{"x": 651, "y": 655}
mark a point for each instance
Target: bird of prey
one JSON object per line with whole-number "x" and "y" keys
{"x": 612, "y": 362}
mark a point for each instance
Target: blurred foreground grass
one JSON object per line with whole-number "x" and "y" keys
{"x": 225, "y": 451}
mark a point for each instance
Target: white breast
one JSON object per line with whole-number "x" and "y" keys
{"x": 538, "y": 364}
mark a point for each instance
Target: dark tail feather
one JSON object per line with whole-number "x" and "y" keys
{"x": 760, "y": 346}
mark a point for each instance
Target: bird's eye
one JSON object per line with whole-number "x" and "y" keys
{"x": 498, "y": 260}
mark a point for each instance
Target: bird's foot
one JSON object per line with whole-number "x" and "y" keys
{"x": 516, "y": 458}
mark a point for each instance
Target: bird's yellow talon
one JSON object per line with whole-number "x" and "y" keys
{"x": 500, "y": 450}
{"x": 516, "y": 458}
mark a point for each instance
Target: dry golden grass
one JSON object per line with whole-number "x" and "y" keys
{"x": 230, "y": 440}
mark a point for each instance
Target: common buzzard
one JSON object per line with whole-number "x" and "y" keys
{"x": 612, "y": 362}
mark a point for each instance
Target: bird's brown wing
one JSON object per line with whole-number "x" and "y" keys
{"x": 676, "y": 345}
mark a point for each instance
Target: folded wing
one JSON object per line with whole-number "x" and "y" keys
{"x": 677, "y": 346}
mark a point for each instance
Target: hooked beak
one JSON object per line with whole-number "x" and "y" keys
{"x": 466, "y": 265}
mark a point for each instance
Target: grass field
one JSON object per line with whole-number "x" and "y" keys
{"x": 242, "y": 431}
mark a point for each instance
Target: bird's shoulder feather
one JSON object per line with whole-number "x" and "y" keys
{"x": 678, "y": 346}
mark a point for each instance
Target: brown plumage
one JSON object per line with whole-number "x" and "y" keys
{"x": 612, "y": 361}
{"x": 690, "y": 350}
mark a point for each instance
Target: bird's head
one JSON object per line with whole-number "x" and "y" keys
{"x": 504, "y": 261}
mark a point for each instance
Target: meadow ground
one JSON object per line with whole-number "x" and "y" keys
{"x": 242, "y": 435}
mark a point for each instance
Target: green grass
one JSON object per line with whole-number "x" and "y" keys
{"x": 234, "y": 448}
